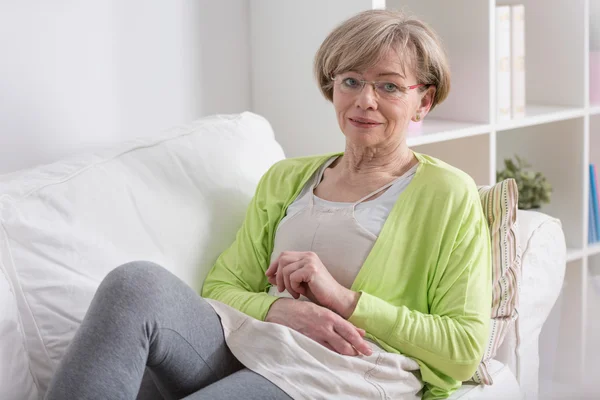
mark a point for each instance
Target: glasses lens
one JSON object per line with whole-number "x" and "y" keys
{"x": 349, "y": 83}
{"x": 389, "y": 90}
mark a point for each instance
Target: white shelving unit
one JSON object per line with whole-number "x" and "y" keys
{"x": 559, "y": 136}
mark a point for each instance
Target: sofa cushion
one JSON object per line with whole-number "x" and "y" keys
{"x": 177, "y": 200}
{"x": 16, "y": 379}
{"x": 500, "y": 204}
{"x": 505, "y": 386}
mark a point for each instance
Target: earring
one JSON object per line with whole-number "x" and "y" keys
{"x": 418, "y": 117}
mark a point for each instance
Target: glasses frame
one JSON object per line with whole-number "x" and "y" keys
{"x": 363, "y": 82}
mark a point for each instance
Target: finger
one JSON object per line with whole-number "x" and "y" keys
{"x": 272, "y": 280}
{"x": 286, "y": 259}
{"x": 341, "y": 345}
{"x": 283, "y": 259}
{"x": 273, "y": 267}
{"x": 279, "y": 279}
{"x": 361, "y": 332}
{"x": 326, "y": 344}
{"x": 348, "y": 331}
{"x": 287, "y": 271}
{"x": 297, "y": 281}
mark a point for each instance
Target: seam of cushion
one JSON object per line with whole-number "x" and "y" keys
{"x": 504, "y": 366}
{"x": 499, "y": 370}
{"x": 23, "y": 334}
{"x": 185, "y": 132}
{"x": 518, "y": 348}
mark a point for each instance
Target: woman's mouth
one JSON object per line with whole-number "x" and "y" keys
{"x": 364, "y": 122}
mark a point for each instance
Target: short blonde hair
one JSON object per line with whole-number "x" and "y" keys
{"x": 360, "y": 42}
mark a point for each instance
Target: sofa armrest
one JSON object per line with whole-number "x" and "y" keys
{"x": 543, "y": 262}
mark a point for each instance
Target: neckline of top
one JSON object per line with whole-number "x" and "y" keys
{"x": 405, "y": 175}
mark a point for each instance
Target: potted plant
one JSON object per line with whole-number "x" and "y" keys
{"x": 533, "y": 188}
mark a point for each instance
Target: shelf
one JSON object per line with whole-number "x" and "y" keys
{"x": 473, "y": 142}
{"x": 543, "y": 146}
{"x": 540, "y": 114}
{"x": 435, "y": 130}
{"x": 594, "y": 109}
{"x": 576, "y": 254}
{"x": 593, "y": 248}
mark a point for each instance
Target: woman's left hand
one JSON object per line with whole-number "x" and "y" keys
{"x": 303, "y": 273}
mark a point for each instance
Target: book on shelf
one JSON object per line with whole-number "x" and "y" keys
{"x": 503, "y": 67}
{"x": 510, "y": 62}
{"x": 594, "y": 227}
{"x": 596, "y": 199}
{"x": 591, "y": 225}
{"x": 517, "y": 54}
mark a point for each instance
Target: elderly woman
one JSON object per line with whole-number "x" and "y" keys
{"x": 363, "y": 274}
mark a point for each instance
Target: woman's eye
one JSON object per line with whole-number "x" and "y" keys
{"x": 390, "y": 87}
{"x": 350, "y": 82}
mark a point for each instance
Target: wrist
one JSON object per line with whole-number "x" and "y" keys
{"x": 347, "y": 303}
{"x": 278, "y": 310}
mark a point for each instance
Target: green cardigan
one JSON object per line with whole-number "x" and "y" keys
{"x": 425, "y": 286}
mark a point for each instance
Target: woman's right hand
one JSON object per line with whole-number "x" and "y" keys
{"x": 320, "y": 324}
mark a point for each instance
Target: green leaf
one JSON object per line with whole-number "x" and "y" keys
{"x": 534, "y": 190}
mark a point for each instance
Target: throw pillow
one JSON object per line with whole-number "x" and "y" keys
{"x": 500, "y": 204}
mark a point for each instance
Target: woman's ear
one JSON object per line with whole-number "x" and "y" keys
{"x": 426, "y": 101}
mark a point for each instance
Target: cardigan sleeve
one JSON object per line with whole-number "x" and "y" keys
{"x": 448, "y": 341}
{"x": 238, "y": 276}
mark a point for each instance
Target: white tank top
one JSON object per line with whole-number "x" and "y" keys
{"x": 369, "y": 214}
{"x": 340, "y": 233}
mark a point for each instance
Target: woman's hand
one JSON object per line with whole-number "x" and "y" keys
{"x": 303, "y": 273}
{"x": 320, "y": 324}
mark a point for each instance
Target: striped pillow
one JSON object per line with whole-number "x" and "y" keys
{"x": 500, "y": 204}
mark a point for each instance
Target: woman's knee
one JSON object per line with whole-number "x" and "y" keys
{"x": 136, "y": 279}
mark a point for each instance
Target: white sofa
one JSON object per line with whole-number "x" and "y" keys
{"x": 178, "y": 200}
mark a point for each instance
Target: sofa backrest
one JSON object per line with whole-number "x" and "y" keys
{"x": 177, "y": 200}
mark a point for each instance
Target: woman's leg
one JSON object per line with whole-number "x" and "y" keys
{"x": 243, "y": 384}
{"x": 148, "y": 389}
{"x": 143, "y": 315}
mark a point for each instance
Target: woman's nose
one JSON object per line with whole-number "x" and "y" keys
{"x": 367, "y": 97}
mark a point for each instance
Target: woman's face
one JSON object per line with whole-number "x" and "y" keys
{"x": 379, "y": 117}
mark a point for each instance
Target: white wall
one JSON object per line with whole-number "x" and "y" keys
{"x": 79, "y": 74}
{"x": 284, "y": 90}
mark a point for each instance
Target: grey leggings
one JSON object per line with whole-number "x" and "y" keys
{"x": 147, "y": 335}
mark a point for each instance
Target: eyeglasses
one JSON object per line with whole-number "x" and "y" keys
{"x": 352, "y": 85}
